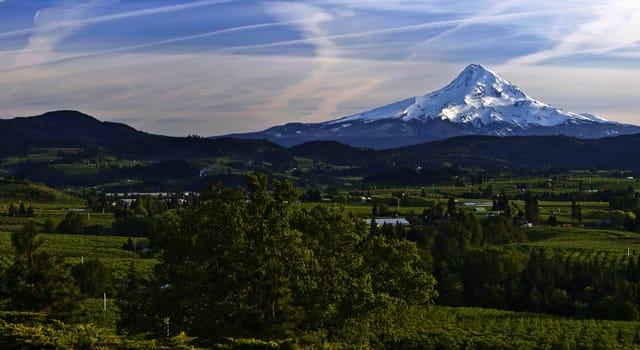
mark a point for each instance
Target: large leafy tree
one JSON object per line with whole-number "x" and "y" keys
{"x": 93, "y": 278}
{"x": 73, "y": 223}
{"x": 256, "y": 265}
{"x": 202, "y": 276}
{"x": 335, "y": 288}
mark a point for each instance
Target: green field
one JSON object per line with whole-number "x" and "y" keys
{"x": 476, "y": 328}
{"x": 75, "y": 248}
{"x": 577, "y": 238}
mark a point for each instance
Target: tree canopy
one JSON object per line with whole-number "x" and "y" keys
{"x": 257, "y": 265}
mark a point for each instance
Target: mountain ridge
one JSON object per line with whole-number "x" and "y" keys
{"x": 188, "y": 163}
{"x": 65, "y": 128}
{"x": 74, "y": 129}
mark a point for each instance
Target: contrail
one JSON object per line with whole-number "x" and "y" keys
{"x": 116, "y": 16}
{"x": 402, "y": 29}
{"x": 154, "y": 43}
{"x": 456, "y": 28}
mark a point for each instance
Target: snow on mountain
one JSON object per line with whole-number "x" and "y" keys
{"x": 477, "y": 97}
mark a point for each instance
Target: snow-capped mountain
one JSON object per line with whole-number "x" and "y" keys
{"x": 477, "y": 102}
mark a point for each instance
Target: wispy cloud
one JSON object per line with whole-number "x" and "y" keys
{"x": 113, "y": 17}
{"x": 127, "y": 48}
{"x": 155, "y": 87}
{"x": 408, "y": 6}
{"x": 612, "y": 26}
{"x": 335, "y": 38}
{"x": 48, "y": 33}
{"x": 312, "y": 22}
{"x": 311, "y": 60}
{"x": 54, "y": 24}
{"x": 476, "y": 18}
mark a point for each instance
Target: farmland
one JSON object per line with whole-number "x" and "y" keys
{"x": 599, "y": 240}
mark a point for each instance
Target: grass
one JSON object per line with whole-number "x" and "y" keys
{"x": 577, "y": 238}
{"x": 16, "y": 191}
{"x": 74, "y": 248}
{"x": 39, "y": 155}
{"x": 512, "y": 186}
{"x": 476, "y": 328}
{"x": 99, "y": 316}
{"x": 76, "y": 169}
{"x": 608, "y": 247}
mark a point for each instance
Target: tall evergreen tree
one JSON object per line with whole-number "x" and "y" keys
{"x": 531, "y": 208}
{"x": 37, "y": 282}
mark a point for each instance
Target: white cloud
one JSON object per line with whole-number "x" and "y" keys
{"x": 212, "y": 94}
{"x": 311, "y": 22}
{"x": 52, "y": 25}
{"x": 608, "y": 92}
{"x": 416, "y": 6}
{"x": 113, "y": 17}
{"x": 55, "y": 59}
{"x": 611, "y": 26}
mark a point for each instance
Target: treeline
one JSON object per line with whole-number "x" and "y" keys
{"x": 155, "y": 174}
{"x": 473, "y": 266}
{"x": 135, "y": 220}
{"x": 20, "y": 210}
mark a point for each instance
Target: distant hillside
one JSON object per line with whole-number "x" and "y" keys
{"x": 63, "y": 129}
{"x": 75, "y": 129}
{"x": 526, "y": 151}
{"x": 12, "y": 190}
{"x": 334, "y": 152}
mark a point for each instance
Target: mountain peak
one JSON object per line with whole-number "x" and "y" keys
{"x": 473, "y": 69}
{"x": 475, "y": 73}
{"x": 476, "y": 102}
{"x": 478, "y": 81}
{"x": 477, "y": 96}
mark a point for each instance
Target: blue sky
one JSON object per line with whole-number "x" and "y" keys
{"x": 212, "y": 67}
